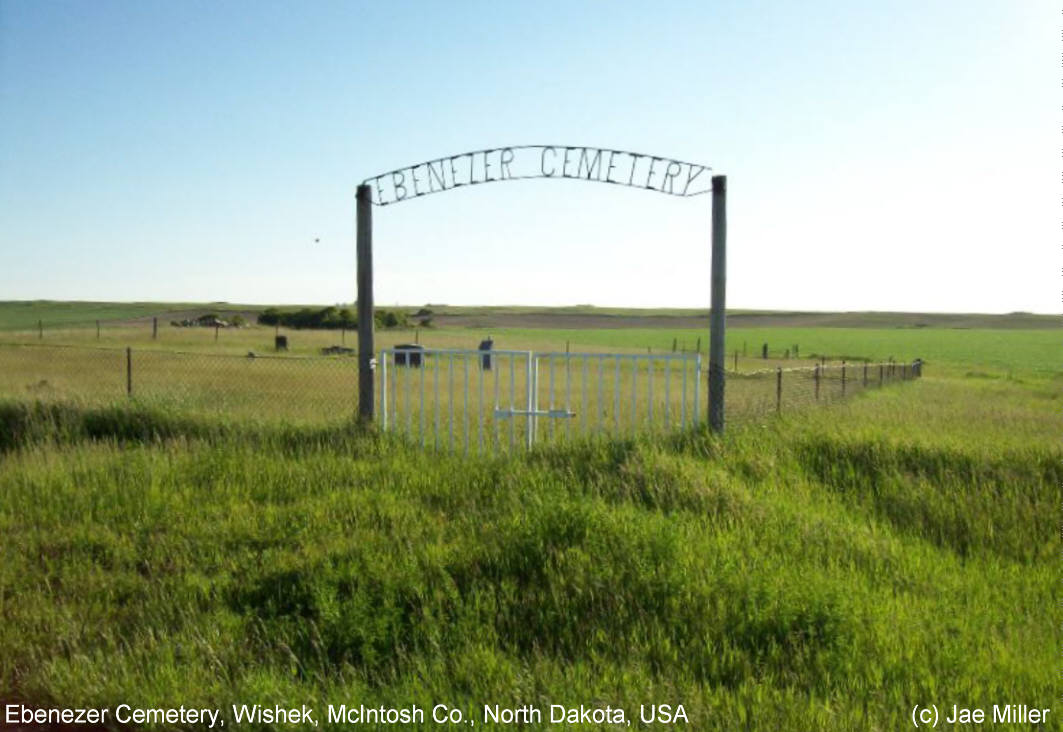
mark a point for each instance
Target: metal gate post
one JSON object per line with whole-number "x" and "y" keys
{"x": 533, "y": 394}
{"x": 384, "y": 390}
{"x": 718, "y": 315}
{"x": 365, "y": 303}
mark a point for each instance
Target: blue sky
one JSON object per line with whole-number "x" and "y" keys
{"x": 880, "y": 156}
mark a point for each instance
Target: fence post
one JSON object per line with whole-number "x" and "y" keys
{"x": 843, "y": 378}
{"x": 155, "y": 328}
{"x": 815, "y": 375}
{"x": 764, "y": 351}
{"x": 343, "y": 335}
{"x": 699, "y": 344}
{"x": 97, "y": 330}
{"x": 365, "y": 302}
{"x": 532, "y": 388}
{"x": 674, "y": 341}
{"x": 40, "y": 330}
{"x": 129, "y": 371}
{"x": 797, "y": 351}
{"x": 718, "y": 297}
{"x": 880, "y": 374}
{"x": 778, "y": 389}
{"x": 736, "y": 362}
{"x": 865, "y": 374}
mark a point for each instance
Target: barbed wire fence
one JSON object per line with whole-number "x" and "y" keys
{"x": 323, "y": 389}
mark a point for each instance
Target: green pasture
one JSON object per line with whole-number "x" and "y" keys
{"x": 999, "y": 350}
{"x": 448, "y": 401}
{"x": 1010, "y": 350}
{"x": 825, "y": 570}
{"x": 25, "y": 315}
{"x": 230, "y": 535}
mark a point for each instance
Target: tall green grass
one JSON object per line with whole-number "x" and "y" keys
{"x": 822, "y": 571}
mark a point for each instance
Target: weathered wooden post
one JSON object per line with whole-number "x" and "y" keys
{"x": 129, "y": 371}
{"x": 778, "y": 389}
{"x": 843, "y": 378}
{"x": 155, "y": 329}
{"x": 97, "y": 330}
{"x": 718, "y": 314}
{"x": 865, "y": 374}
{"x": 736, "y": 361}
{"x": 815, "y": 375}
{"x": 40, "y": 330}
{"x": 365, "y": 303}
{"x": 764, "y": 351}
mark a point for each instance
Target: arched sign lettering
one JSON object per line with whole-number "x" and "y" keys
{"x": 520, "y": 162}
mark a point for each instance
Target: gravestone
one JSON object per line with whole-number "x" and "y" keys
{"x": 485, "y": 359}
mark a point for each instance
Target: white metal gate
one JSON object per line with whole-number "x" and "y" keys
{"x": 505, "y": 400}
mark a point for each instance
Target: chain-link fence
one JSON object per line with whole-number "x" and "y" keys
{"x": 578, "y": 393}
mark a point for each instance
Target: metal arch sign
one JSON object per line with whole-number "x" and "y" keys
{"x": 520, "y": 162}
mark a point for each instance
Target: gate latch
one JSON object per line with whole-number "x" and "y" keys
{"x": 557, "y": 413}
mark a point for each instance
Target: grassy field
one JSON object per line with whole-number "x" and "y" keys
{"x": 26, "y": 314}
{"x": 827, "y": 569}
{"x": 603, "y": 387}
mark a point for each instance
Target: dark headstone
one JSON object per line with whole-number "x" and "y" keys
{"x": 409, "y": 354}
{"x": 485, "y": 359}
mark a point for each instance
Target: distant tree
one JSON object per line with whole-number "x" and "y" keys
{"x": 269, "y": 316}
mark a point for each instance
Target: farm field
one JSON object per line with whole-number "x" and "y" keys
{"x": 824, "y": 569}
{"x": 235, "y": 371}
{"x": 1001, "y": 349}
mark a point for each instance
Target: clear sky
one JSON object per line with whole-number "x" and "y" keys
{"x": 900, "y": 155}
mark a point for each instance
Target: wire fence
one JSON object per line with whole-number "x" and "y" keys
{"x": 296, "y": 389}
{"x": 436, "y": 397}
